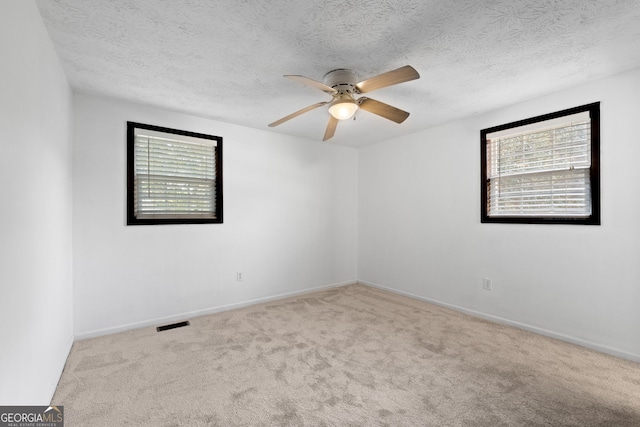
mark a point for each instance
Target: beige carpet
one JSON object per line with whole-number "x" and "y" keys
{"x": 351, "y": 356}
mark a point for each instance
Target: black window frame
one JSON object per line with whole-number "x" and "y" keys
{"x": 594, "y": 218}
{"x": 131, "y": 218}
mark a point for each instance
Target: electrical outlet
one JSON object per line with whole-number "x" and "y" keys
{"x": 239, "y": 276}
{"x": 486, "y": 284}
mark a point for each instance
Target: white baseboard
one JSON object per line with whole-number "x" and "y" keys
{"x": 562, "y": 337}
{"x": 182, "y": 316}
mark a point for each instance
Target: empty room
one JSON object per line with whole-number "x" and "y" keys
{"x": 336, "y": 213}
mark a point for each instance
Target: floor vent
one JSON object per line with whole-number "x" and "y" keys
{"x": 172, "y": 326}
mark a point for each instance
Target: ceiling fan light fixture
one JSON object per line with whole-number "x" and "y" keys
{"x": 342, "y": 84}
{"x": 343, "y": 109}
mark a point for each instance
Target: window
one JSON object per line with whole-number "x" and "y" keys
{"x": 544, "y": 169}
{"x": 173, "y": 176}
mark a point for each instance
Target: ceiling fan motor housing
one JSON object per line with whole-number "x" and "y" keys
{"x": 342, "y": 80}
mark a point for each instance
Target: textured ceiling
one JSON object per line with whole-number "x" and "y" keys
{"x": 225, "y": 59}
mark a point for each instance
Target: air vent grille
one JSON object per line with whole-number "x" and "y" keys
{"x": 172, "y": 326}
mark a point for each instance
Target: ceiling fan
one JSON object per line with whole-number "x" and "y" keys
{"x": 342, "y": 85}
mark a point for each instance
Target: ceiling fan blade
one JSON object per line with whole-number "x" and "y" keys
{"x": 394, "y": 77}
{"x": 310, "y": 82}
{"x": 297, "y": 113}
{"x": 383, "y": 110}
{"x": 331, "y": 128}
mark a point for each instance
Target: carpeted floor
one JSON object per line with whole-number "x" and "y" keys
{"x": 350, "y": 356}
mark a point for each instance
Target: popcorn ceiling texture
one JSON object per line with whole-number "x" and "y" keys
{"x": 225, "y": 59}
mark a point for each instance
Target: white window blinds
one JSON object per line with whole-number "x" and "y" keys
{"x": 174, "y": 176}
{"x": 541, "y": 169}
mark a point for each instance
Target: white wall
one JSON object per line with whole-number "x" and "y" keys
{"x": 420, "y": 230}
{"x": 35, "y": 209}
{"x": 290, "y": 223}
